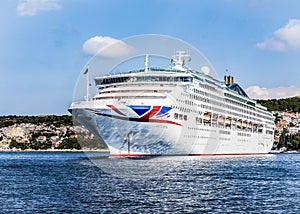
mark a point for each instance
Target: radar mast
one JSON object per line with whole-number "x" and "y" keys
{"x": 178, "y": 61}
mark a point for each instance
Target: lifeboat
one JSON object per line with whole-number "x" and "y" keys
{"x": 214, "y": 117}
{"x": 206, "y": 116}
{"x": 244, "y": 124}
{"x": 228, "y": 120}
{"x": 239, "y": 122}
{"x": 221, "y": 119}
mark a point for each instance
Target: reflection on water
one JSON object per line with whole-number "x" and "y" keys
{"x": 70, "y": 182}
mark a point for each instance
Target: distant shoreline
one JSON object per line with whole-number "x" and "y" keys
{"x": 107, "y": 151}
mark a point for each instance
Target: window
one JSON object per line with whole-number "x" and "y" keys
{"x": 176, "y": 116}
{"x": 180, "y": 116}
{"x": 143, "y": 79}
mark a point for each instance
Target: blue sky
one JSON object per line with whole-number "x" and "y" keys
{"x": 42, "y": 41}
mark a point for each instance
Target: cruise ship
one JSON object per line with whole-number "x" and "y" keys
{"x": 174, "y": 111}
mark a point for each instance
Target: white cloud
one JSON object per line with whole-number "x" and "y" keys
{"x": 272, "y": 44}
{"x": 107, "y": 47}
{"x": 31, "y": 7}
{"x": 257, "y": 92}
{"x": 285, "y": 38}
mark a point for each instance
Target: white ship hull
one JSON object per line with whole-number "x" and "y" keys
{"x": 125, "y": 137}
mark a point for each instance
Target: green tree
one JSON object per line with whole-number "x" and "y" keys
{"x": 283, "y": 139}
{"x": 295, "y": 144}
{"x": 13, "y": 144}
{"x": 69, "y": 143}
{"x": 288, "y": 104}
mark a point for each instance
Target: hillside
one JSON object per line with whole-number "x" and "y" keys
{"x": 45, "y": 132}
{"x": 57, "y": 121}
{"x": 288, "y": 104}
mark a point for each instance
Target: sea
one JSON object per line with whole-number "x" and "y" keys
{"x": 78, "y": 182}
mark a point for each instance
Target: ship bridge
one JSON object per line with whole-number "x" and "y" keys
{"x": 177, "y": 73}
{"x": 159, "y": 75}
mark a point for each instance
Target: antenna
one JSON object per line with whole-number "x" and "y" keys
{"x": 178, "y": 60}
{"x": 87, "y": 97}
{"x": 146, "y": 62}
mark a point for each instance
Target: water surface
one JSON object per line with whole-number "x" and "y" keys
{"x": 70, "y": 182}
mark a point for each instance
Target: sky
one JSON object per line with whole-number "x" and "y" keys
{"x": 45, "y": 44}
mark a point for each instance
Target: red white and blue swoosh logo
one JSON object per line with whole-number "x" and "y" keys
{"x": 154, "y": 114}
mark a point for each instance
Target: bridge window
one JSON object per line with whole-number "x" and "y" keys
{"x": 143, "y": 79}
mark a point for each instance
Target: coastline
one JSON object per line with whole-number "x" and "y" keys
{"x": 287, "y": 152}
{"x": 105, "y": 151}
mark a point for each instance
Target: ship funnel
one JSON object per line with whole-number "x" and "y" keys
{"x": 228, "y": 80}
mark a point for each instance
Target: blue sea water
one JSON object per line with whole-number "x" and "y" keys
{"x": 70, "y": 182}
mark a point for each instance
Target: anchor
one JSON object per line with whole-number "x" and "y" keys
{"x": 127, "y": 140}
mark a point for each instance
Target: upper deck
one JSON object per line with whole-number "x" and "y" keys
{"x": 152, "y": 75}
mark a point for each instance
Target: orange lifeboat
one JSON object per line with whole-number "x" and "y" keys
{"x": 228, "y": 120}
{"x": 206, "y": 116}
{"x": 239, "y": 122}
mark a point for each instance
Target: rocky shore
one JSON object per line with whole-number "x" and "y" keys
{"x": 46, "y": 133}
